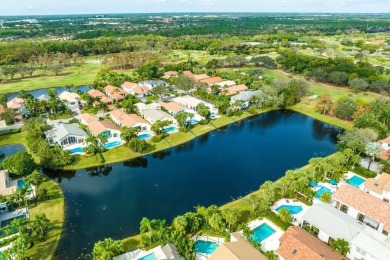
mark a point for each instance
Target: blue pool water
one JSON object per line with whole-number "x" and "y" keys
{"x": 262, "y": 232}
{"x": 76, "y": 150}
{"x": 356, "y": 181}
{"x": 205, "y": 247}
{"x": 144, "y": 136}
{"x": 151, "y": 256}
{"x": 112, "y": 144}
{"x": 322, "y": 190}
{"x": 291, "y": 208}
{"x": 169, "y": 129}
{"x": 22, "y": 183}
{"x": 192, "y": 121}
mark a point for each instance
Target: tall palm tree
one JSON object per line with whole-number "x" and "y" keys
{"x": 41, "y": 221}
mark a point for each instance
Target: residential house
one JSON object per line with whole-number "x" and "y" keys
{"x": 189, "y": 74}
{"x": 88, "y": 118}
{"x": 211, "y": 81}
{"x": 143, "y": 106}
{"x": 170, "y": 74}
{"x": 71, "y": 100}
{"x": 166, "y": 252}
{"x": 153, "y": 83}
{"x": 200, "y": 77}
{"x": 188, "y": 102}
{"x": 172, "y": 107}
{"x": 16, "y": 104}
{"x": 7, "y": 216}
{"x": 7, "y": 185}
{"x": 66, "y": 135}
{"x": 369, "y": 245}
{"x": 135, "y": 89}
{"x": 364, "y": 207}
{"x": 245, "y": 97}
{"x": 379, "y": 186}
{"x": 129, "y": 120}
{"x": 2, "y": 110}
{"x": 238, "y": 248}
{"x": 226, "y": 84}
{"x": 43, "y": 97}
{"x": 154, "y": 115}
{"x": 298, "y": 244}
{"x": 385, "y": 152}
{"x": 235, "y": 89}
{"x": 95, "y": 94}
{"x": 105, "y": 127}
{"x": 330, "y": 224}
{"x": 115, "y": 93}
{"x": 106, "y": 100}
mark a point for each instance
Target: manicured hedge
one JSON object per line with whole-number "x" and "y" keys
{"x": 10, "y": 131}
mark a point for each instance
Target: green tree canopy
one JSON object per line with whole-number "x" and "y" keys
{"x": 20, "y": 163}
{"x": 107, "y": 249}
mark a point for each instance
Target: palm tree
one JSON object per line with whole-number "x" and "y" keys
{"x": 340, "y": 245}
{"x": 128, "y": 133}
{"x": 42, "y": 222}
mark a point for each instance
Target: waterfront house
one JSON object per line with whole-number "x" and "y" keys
{"x": 66, "y": 135}
{"x": 95, "y": 94}
{"x": 143, "y": 106}
{"x": 153, "y": 83}
{"x": 105, "y": 127}
{"x": 379, "y": 187}
{"x": 226, "y": 84}
{"x": 211, "y": 81}
{"x": 154, "y": 115}
{"x": 88, "y": 118}
{"x": 70, "y": 99}
{"x": 364, "y": 207}
{"x": 114, "y": 93}
{"x": 385, "y": 151}
{"x": 173, "y": 108}
{"x": 369, "y": 245}
{"x": 245, "y": 97}
{"x": 6, "y": 216}
{"x": 329, "y": 224}
{"x": 296, "y": 244}
{"x": 129, "y": 120}
{"x": 7, "y": 185}
{"x": 135, "y": 89}
{"x": 188, "y": 102}
{"x": 235, "y": 89}
{"x": 237, "y": 248}
{"x": 16, "y": 104}
{"x": 43, "y": 97}
{"x": 166, "y": 252}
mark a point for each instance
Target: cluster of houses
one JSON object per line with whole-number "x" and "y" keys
{"x": 359, "y": 213}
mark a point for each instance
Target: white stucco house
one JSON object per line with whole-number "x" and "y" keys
{"x": 66, "y": 135}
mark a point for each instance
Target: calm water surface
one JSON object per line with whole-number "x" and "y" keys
{"x": 212, "y": 169}
{"x": 10, "y": 149}
{"x": 43, "y": 91}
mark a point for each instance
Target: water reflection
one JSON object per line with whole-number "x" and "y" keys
{"x": 140, "y": 162}
{"x": 99, "y": 171}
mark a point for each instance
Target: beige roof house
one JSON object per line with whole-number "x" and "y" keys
{"x": 102, "y": 126}
{"x": 114, "y": 92}
{"x": 238, "y": 249}
{"x": 88, "y": 118}
{"x": 69, "y": 97}
{"x": 128, "y": 85}
{"x": 200, "y": 77}
{"x": 106, "y": 100}
{"x": 172, "y": 107}
{"x": 15, "y": 103}
{"x": 2, "y": 110}
{"x": 212, "y": 80}
{"x": 169, "y": 74}
{"x": 298, "y": 244}
{"x": 226, "y": 83}
{"x": 236, "y": 89}
{"x": 128, "y": 120}
{"x": 94, "y": 93}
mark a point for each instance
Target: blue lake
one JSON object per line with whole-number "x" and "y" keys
{"x": 212, "y": 169}
{"x": 10, "y": 149}
{"x": 37, "y": 92}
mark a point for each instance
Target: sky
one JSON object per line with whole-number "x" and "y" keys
{"x": 46, "y": 7}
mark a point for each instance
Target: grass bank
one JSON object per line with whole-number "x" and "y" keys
{"x": 54, "y": 209}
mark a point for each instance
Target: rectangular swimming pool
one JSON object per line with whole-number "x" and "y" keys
{"x": 76, "y": 150}
{"x": 356, "y": 181}
{"x": 22, "y": 183}
{"x": 293, "y": 209}
{"x": 112, "y": 144}
{"x": 322, "y": 190}
{"x": 262, "y": 232}
{"x": 144, "y": 136}
{"x": 192, "y": 121}
{"x": 151, "y": 256}
{"x": 169, "y": 129}
{"x": 205, "y": 247}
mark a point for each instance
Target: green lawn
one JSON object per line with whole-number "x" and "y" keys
{"x": 54, "y": 209}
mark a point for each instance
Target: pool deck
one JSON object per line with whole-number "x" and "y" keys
{"x": 332, "y": 188}
{"x": 271, "y": 242}
{"x": 349, "y": 175}
{"x": 290, "y": 202}
{"x": 218, "y": 240}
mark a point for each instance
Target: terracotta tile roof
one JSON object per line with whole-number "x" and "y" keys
{"x": 188, "y": 73}
{"x": 171, "y": 106}
{"x": 140, "y": 90}
{"x": 211, "y": 80}
{"x": 15, "y": 103}
{"x": 128, "y": 120}
{"x": 94, "y": 93}
{"x": 2, "y": 109}
{"x": 106, "y": 100}
{"x": 237, "y": 250}
{"x": 386, "y": 140}
{"x": 378, "y": 185}
{"x": 384, "y": 154}
{"x": 365, "y": 203}
{"x": 114, "y": 92}
{"x": 128, "y": 85}
{"x": 89, "y": 118}
{"x": 171, "y": 73}
{"x": 236, "y": 89}
{"x": 298, "y": 244}
{"x": 200, "y": 77}
{"x": 100, "y": 126}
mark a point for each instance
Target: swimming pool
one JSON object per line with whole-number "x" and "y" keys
{"x": 22, "y": 183}
{"x": 293, "y": 209}
{"x": 144, "y": 136}
{"x": 205, "y": 247}
{"x": 76, "y": 150}
{"x": 356, "y": 181}
{"x": 112, "y": 144}
{"x": 169, "y": 129}
{"x": 262, "y": 232}
{"x": 192, "y": 121}
{"x": 322, "y": 190}
{"x": 151, "y": 256}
